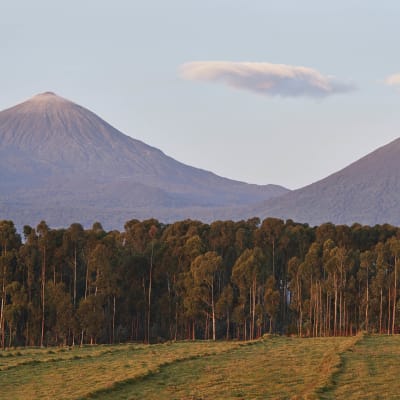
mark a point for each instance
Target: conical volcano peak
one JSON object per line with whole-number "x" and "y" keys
{"x": 48, "y": 123}
{"x": 60, "y": 132}
{"x": 48, "y": 97}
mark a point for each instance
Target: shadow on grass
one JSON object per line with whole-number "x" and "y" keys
{"x": 119, "y": 386}
{"x": 326, "y": 392}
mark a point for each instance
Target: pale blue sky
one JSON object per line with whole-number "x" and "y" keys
{"x": 121, "y": 59}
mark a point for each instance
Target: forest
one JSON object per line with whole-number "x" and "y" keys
{"x": 155, "y": 282}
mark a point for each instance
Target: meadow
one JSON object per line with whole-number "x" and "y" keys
{"x": 359, "y": 367}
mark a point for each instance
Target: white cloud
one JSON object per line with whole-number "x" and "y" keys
{"x": 266, "y": 78}
{"x": 393, "y": 80}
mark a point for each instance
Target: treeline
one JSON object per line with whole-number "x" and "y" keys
{"x": 188, "y": 280}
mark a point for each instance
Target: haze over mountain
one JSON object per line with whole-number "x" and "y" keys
{"x": 62, "y": 163}
{"x": 367, "y": 192}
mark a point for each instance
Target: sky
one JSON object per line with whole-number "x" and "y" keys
{"x": 282, "y": 92}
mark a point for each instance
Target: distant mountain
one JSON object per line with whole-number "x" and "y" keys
{"x": 62, "y": 163}
{"x": 367, "y": 192}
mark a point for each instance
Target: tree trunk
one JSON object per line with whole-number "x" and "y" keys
{"x": 300, "y": 317}
{"x": 227, "y": 324}
{"x": 10, "y": 337}
{"x": 340, "y": 312}
{"x": 87, "y": 281}
{"x": 2, "y": 324}
{"x": 335, "y": 308}
{"x": 310, "y": 309}
{"x": 394, "y": 296}
{"x": 3, "y": 297}
{"x": 113, "y": 321}
{"x": 380, "y": 313}
{"x": 149, "y": 292}
{"x": 176, "y": 323}
{"x": 74, "y": 277}
{"x": 213, "y": 311}
{"x": 366, "y": 306}
{"x": 254, "y": 305}
{"x": 389, "y": 311}
{"x": 43, "y": 294}
{"x": 273, "y": 258}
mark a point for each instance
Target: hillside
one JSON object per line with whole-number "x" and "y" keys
{"x": 367, "y": 192}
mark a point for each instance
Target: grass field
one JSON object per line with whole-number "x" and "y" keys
{"x": 359, "y": 367}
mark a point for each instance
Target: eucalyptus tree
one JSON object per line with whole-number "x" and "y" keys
{"x": 59, "y": 312}
{"x": 341, "y": 261}
{"x": 9, "y": 244}
{"x": 29, "y": 263}
{"x": 331, "y": 276}
{"x": 380, "y": 284}
{"x": 296, "y": 300}
{"x": 367, "y": 265}
{"x": 224, "y": 307}
{"x": 221, "y": 237}
{"x": 394, "y": 245}
{"x": 142, "y": 238}
{"x": 272, "y": 300}
{"x": 181, "y": 243}
{"x": 90, "y": 315}
{"x": 267, "y": 238}
{"x": 43, "y": 235}
{"x": 204, "y": 269}
{"x": 311, "y": 268}
{"x": 73, "y": 241}
{"x": 15, "y": 312}
{"x": 249, "y": 274}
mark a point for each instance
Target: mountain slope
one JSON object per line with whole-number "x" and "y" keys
{"x": 367, "y": 192}
{"x": 61, "y": 162}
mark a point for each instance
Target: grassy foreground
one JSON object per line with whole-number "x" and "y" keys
{"x": 274, "y": 368}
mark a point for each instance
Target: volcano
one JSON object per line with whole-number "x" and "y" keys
{"x": 366, "y": 192}
{"x": 62, "y": 163}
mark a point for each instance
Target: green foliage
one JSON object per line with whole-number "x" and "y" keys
{"x": 155, "y": 282}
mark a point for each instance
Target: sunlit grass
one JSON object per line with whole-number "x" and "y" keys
{"x": 363, "y": 367}
{"x": 57, "y": 374}
{"x": 276, "y": 368}
{"x": 370, "y": 371}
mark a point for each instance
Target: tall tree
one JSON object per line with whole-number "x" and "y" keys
{"x": 43, "y": 234}
{"x": 367, "y": 261}
{"x": 246, "y": 275}
{"x": 272, "y": 300}
{"x": 394, "y": 244}
{"x": 296, "y": 301}
{"x": 73, "y": 243}
{"x": 204, "y": 269}
{"x": 9, "y": 242}
{"x": 152, "y": 233}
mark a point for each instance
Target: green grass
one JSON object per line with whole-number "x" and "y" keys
{"x": 277, "y": 368}
{"x": 371, "y": 370}
{"x": 40, "y": 374}
{"x": 363, "y": 367}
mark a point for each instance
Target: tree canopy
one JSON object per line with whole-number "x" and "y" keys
{"x": 154, "y": 282}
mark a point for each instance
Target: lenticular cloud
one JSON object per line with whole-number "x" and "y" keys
{"x": 266, "y": 78}
{"x": 393, "y": 80}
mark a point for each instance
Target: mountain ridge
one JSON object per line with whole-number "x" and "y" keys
{"x": 367, "y": 191}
